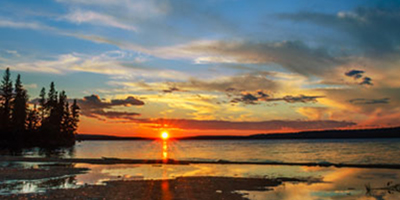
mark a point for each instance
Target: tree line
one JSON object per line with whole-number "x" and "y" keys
{"x": 49, "y": 120}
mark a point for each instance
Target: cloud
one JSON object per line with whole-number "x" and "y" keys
{"x": 128, "y": 101}
{"x": 361, "y": 104}
{"x": 295, "y": 56}
{"x": 375, "y": 30}
{"x": 117, "y": 115}
{"x": 315, "y": 113}
{"x": 366, "y": 81}
{"x": 248, "y": 98}
{"x": 369, "y": 101}
{"x": 151, "y": 16}
{"x": 230, "y": 125}
{"x": 95, "y": 18}
{"x": 356, "y": 74}
{"x": 23, "y": 25}
{"x": 172, "y": 89}
{"x": 297, "y": 99}
{"x": 128, "y": 9}
{"x": 94, "y": 107}
{"x": 237, "y": 83}
{"x": 226, "y": 84}
{"x": 13, "y": 53}
{"x": 117, "y": 64}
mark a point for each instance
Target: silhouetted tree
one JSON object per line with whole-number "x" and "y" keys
{"x": 52, "y": 98}
{"x": 19, "y": 107}
{"x": 54, "y": 125}
{"x": 75, "y": 116}
{"x": 6, "y": 98}
{"x": 50, "y": 123}
{"x": 58, "y": 114}
{"x": 42, "y": 103}
{"x": 66, "y": 124}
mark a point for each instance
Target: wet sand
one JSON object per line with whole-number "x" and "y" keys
{"x": 179, "y": 188}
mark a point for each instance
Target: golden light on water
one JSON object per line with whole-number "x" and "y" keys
{"x": 165, "y": 151}
{"x": 165, "y": 135}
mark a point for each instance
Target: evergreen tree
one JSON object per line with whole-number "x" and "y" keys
{"x": 6, "y": 98}
{"x": 59, "y": 120}
{"x": 51, "y": 123}
{"x": 19, "y": 108}
{"x": 52, "y": 97}
{"x": 75, "y": 116}
{"x": 66, "y": 125}
{"x": 42, "y": 103}
{"x": 59, "y": 111}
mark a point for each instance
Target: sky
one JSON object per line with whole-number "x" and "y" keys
{"x": 212, "y": 67}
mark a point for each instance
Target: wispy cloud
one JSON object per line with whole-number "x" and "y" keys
{"x": 13, "y": 53}
{"x": 292, "y": 55}
{"x": 117, "y": 64}
{"x": 24, "y": 25}
{"x": 141, "y": 9}
{"x": 369, "y": 101}
{"x": 95, "y": 18}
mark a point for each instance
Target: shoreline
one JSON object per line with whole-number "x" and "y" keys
{"x": 111, "y": 161}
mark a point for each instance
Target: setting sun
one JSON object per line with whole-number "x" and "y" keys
{"x": 165, "y": 135}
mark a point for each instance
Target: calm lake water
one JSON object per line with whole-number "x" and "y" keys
{"x": 354, "y": 151}
{"x": 337, "y": 183}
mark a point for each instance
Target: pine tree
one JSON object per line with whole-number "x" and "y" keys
{"x": 52, "y": 97}
{"x": 59, "y": 120}
{"x": 51, "y": 123}
{"x": 66, "y": 125}
{"x": 42, "y": 103}
{"x": 6, "y": 98}
{"x": 19, "y": 108}
{"x": 75, "y": 116}
{"x": 59, "y": 114}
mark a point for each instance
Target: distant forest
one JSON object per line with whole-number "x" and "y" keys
{"x": 47, "y": 121}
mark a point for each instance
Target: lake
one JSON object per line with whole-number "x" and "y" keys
{"x": 350, "y": 151}
{"x": 343, "y": 183}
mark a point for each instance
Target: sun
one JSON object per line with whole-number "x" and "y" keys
{"x": 165, "y": 135}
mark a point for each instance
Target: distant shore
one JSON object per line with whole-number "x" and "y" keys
{"x": 325, "y": 134}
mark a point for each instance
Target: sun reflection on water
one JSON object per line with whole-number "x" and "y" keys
{"x": 165, "y": 151}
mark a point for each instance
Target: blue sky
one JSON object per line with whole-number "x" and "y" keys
{"x": 210, "y": 61}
